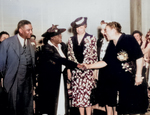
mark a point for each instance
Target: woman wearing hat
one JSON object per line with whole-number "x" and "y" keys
{"x": 52, "y": 83}
{"x": 82, "y": 49}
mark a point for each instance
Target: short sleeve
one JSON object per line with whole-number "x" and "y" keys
{"x": 134, "y": 49}
{"x": 110, "y": 53}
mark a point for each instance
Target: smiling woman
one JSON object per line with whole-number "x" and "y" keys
{"x": 82, "y": 49}
{"x": 56, "y": 39}
{"x": 122, "y": 49}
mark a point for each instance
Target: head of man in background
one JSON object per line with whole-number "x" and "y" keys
{"x": 3, "y": 35}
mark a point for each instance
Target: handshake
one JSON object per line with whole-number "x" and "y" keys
{"x": 82, "y": 66}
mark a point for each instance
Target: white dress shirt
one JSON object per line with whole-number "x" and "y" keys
{"x": 21, "y": 40}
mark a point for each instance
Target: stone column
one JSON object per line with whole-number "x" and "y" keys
{"x": 135, "y": 15}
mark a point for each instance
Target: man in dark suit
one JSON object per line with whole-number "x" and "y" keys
{"x": 3, "y": 35}
{"x": 16, "y": 64}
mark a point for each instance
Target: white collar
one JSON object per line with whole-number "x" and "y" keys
{"x": 50, "y": 43}
{"x": 58, "y": 48}
{"x": 21, "y": 40}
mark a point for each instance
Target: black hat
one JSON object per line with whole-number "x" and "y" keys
{"x": 53, "y": 31}
{"x": 79, "y": 22}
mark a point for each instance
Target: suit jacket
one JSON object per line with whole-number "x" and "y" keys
{"x": 9, "y": 59}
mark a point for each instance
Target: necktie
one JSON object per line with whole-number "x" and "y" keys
{"x": 24, "y": 46}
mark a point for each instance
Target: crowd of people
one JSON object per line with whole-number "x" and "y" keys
{"x": 111, "y": 71}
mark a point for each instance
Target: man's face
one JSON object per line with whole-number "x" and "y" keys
{"x": 3, "y": 37}
{"x": 32, "y": 39}
{"x": 26, "y": 31}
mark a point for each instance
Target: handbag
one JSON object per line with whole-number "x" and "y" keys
{"x": 93, "y": 96}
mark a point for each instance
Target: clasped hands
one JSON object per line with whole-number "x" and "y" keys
{"x": 82, "y": 66}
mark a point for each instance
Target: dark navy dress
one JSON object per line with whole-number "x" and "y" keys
{"x": 132, "y": 99}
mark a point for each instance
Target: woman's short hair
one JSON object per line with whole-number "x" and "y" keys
{"x": 115, "y": 25}
{"x": 3, "y": 32}
{"x": 137, "y": 31}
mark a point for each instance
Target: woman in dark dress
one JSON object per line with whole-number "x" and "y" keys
{"x": 52, "y": 84}
{"x": 122, "y": 53}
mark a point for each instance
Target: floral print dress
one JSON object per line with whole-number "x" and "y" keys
{"x": 82, "y": 81}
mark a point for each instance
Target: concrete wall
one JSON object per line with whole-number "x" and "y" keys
{"x": 145, "y": 16}
{"x": 44, "y": 13}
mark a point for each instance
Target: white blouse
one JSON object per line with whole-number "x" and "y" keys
{"x": 103, "y": 48}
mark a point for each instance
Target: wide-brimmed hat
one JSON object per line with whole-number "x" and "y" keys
{"x": 53, "y": 31}
{"x": 79, "y": 22}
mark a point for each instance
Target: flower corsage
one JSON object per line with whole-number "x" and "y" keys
{"x": 122, "y": 56}
{"x": 128, "y": 66}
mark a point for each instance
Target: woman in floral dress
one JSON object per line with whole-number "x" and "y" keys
{"x": 120, "y": 74}
{"x": 82, "y": 49}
